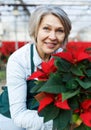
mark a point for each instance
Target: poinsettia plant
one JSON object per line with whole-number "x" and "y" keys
{"x": 63, "y": 88}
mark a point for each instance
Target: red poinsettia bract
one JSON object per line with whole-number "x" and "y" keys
{"x": 86, "y": 112}
{"x": 75, "y": 52}
{"x": 73, "y": 56}
{"x": 44, "y": 72}
{"x": 49, "y": 98}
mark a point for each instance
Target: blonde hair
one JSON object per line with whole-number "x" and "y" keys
{"x": 38, "y": 15}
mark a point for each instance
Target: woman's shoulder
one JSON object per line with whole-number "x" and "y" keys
{"x": 21, "y": 52}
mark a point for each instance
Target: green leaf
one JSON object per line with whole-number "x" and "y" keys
{"x": 83, "y": 84}
{"x": 88, "y": 49}
{"x": 69, "y": 94}
{"x": 75, "y": 117}
{"x": 53, "y": 85}
{"x": 50, "y": 112}
{"x": 67, "y": 128}
{"x": 72, "y": 84}
{"x": 36, "y": 87}
{"x": 77, "y": 70}
{"x": 62, "y": 64}
{"x": 67, "y": 76}
{"x": 88, "y": 72}
{"x": 62, "y": 120}
{"x": 73, "y": 102}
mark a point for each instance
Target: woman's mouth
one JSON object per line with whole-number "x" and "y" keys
{"x": 51, "y": 45}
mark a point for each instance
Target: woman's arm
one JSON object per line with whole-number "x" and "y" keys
{"x": 17, "y": 90}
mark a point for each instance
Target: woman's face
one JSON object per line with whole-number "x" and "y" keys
{"x": 50, "y": 35}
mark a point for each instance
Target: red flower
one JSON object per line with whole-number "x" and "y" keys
{"x": 46, "y": 100}
{"x": 61, "y": 104}
{"x": 46, "y": 69}
{"x": 49, "y": 98}
{"x": 75, "y": 53}
{"x": 86, "y": 112}
{"x": 78, "y": 45}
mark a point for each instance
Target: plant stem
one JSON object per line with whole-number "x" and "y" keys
{"x": 73, "y": 126}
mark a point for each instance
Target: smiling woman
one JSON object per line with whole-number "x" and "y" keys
{"x": 49, "y": 30}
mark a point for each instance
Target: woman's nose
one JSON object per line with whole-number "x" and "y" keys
{"x": 52, "y": 35}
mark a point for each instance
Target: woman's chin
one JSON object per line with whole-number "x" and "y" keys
{"x": 49, "y": 52}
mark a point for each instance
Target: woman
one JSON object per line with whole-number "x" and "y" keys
{"x": 49, "y": 29}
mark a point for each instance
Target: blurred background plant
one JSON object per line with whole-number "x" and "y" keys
{"x": 6, "y": 49}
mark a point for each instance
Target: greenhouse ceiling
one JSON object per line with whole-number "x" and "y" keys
{"x": 79, "y": 11}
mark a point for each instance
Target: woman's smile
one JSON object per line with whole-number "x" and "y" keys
{"x": 50, "y": 45}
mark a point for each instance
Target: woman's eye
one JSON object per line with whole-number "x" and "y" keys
{"x": 45, "y": 28}
{"x": 60, "y": 30}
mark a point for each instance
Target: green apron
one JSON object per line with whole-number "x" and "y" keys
{"x": 31, "y": 103}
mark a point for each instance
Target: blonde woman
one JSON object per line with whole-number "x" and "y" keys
{"x": 49, "y": 29}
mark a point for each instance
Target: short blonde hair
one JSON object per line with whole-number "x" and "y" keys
{"x": 38, "y": 15}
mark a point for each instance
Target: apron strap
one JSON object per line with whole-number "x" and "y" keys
{"x": 32, "y": 63}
